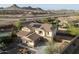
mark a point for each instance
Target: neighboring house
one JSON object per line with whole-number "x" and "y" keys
{"x": 35, "y": 32}
{"x": 28, "y": 37}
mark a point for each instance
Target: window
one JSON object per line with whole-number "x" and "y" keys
{"x": 40, "y": 32}
{"x": 74, "y": 44}
{"x": 47, "y": 33}
{"x": 30, "y": 41}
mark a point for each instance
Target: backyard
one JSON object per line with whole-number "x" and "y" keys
{"x": 50, "y": 48}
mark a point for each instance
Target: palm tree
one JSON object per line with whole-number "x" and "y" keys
{"x": 55, "y": 24}
{"x": 18, "y": 25}
{"x": 51, "y": 47}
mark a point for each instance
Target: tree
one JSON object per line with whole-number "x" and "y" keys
{"x": 6, "y": 40}
{"x": 54, "y": 21}
{"x": 52, "y": 48}
{"x": 55, "y": 24}
{"x": 18, "y": 25}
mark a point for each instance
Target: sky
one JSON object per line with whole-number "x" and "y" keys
{"x": 47, "y": 6}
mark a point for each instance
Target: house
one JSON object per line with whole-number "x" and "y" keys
{"x": 44, "y": 30}
{"x": 36, "y": 32}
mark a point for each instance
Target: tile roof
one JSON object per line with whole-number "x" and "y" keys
{"x": 34, "y": 36}
{"x": 31, "y": 35}
{"x": 45, "y": 26}
{"x": 23, "y": 33}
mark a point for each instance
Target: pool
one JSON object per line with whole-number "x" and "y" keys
{"x": 2, "y": 34}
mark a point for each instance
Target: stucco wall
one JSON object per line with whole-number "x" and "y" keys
{"x": 28, "y": 41}
{"x": 49, "y": 34}
{"x": 41, "y": 34}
